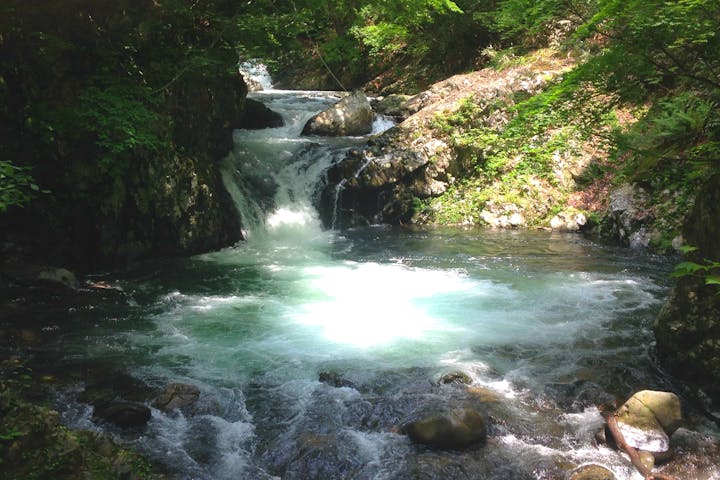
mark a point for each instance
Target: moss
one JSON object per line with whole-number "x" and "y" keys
{"x": 34, "y": 445}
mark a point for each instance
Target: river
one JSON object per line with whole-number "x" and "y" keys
{"x": 546, "y": 325}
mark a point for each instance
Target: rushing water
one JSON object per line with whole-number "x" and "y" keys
{"x": 547, "y": 326}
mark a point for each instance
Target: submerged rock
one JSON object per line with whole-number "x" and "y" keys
{"x": 648, "y": 418}
{"x": 177, "y": 396}
{"x": 456, "y": 429}
{"x": 456, "y": 378}
{"x": 334, "y": 379}
{"x": 350, "y": 116}
{"x": 123, "y": 414}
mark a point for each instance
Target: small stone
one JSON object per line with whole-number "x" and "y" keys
{"x": 591, "y": 472}
{"x": 647, "y": 459}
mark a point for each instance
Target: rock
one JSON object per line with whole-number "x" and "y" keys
{"x": 123, "y": 414}
{"x": 456, "y": 429}
{"x": 29, "y": 274}
{"x": 647, "y": 459}
{"x": 350, "y": 116}
{"x": 568, "y": 221}
{"x": 591, "y": 472}
{"x": 59, "y": 275}
{"x": 456, "y": 378}
{"x": 688, "y": 327}
{"x": 628, "y": 216}
{"x": 394, "y": 105}
{"x": 257, "y": 116}
{"x": 177, "y": 396}
{"x": 334, "y": 379}
{"x": 648, "y": 418}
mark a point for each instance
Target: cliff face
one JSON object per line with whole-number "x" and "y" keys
{"x": 121, "y": 114}
{"x": 688, "y": 328}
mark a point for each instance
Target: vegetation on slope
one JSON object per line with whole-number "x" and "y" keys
{"x": 640, "y": 107}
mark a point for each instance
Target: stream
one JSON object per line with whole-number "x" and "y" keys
{"x": 547, "y": 326}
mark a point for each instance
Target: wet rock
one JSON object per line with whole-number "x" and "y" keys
{"x": 350, "y": 116}
{"x": 257, "y": 116}
{"x": 455, "y": 378}
{"x": 647, "y": 459}
{"x": 334, "y": 379}
{"x": 648, "y": 418}
{"x": 577, "y": 395}
{"x": 26, "y": 274}
{"x": 123, "y": 414}
{"x": 455, "y": 429}
{"x": 177, "y": 396}
{"x": 591, "y": 472}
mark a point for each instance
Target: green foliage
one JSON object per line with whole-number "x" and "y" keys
{"x": 679, "y": 134}
{"x": 122, "y": 124}
{"x": 17, "y": 187}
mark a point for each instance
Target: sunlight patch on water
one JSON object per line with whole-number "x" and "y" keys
{"x": 372, "y": 304}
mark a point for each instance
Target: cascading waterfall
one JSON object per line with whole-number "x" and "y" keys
{"x": 546, "y": 326}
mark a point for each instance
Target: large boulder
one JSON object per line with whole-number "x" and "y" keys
{"x": 350, "y": 116}
{"x": 628, "y": 218}
{"x": 455, "y": 429}
{"x": 688, "y": 327}
{"x": 258, "y": 116}
{"x": 648, "y": 418}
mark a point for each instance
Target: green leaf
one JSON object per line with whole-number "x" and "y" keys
{"x": 712, "y": 280}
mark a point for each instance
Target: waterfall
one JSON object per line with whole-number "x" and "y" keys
{"x": 274, "y": 175}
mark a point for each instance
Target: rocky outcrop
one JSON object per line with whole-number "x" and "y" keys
{"x": 131, "y": 168}
{"x": 383, "y": 182}
{"x": 350, "y": 116}
{"x": 629, "y": 217}
{"x": 688, "y": 327}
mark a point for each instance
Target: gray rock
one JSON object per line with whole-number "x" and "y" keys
{"x": 628, "y": 218}
{"x": 455, "y": 429}
{"x": 350, "y": 116}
